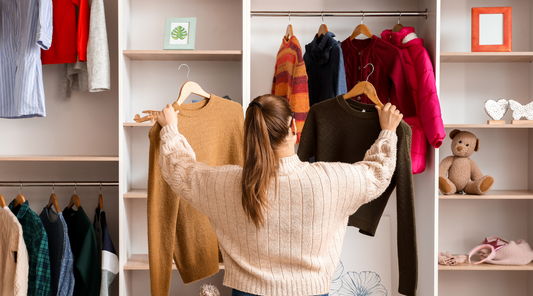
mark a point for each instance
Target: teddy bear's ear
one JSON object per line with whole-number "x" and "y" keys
{"x": 454, "y": 133}
{"x": 477, "y": 145}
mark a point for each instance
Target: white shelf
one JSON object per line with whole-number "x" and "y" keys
{"x": 59, "y": 158}
{"x": 184, "y": 55}
{"x": 488, "y": 126}
{"x": 485, "y": 267}
{"x": 141, "y": 262}
{"x": 486, "y": 57}
{"x": 493, "y": 194}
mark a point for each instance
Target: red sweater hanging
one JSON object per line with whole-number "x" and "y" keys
{"x": 69, "y": 41}
{"x": 388, "y": 77}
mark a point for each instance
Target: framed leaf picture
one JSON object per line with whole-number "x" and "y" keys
{"x": 180, "y": 33}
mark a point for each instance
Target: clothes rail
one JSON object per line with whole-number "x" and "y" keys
{"x": 339, "y": 13}
{"x": 56, "y": 184}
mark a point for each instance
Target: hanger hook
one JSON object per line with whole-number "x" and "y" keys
{"x": 399, "y": 17}
{"x": 289, "y": 17}
{"x": 363, "y": 18}
{"x": 188, "y": 70}
{"x": 370, "y": 72}
{"x": 75, "y": 187}
{"x": 53, "y": 187}
{"x": 322, "y": 16}
{"x": 20, "y": 189}
{"x": 100, "y": 187}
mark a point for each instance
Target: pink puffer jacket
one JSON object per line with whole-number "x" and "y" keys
{"x": 421, "y": 79}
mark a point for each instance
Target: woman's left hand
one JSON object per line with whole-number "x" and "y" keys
{"x": 168, "y": 116}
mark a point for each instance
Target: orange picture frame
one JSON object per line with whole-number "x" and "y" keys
{"x": 507, "y": 29}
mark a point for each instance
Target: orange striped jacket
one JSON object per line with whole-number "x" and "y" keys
{"x": 290, "y": 80}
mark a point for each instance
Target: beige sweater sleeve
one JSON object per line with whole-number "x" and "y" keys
{"x": 181, "y": 170}
{"x": 377, "y": 168}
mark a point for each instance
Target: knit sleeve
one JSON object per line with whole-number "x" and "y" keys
{"x": 307, "y": 146}
{"x": 180, "y": 169}
{"x": 405, "y": 208}
{"x": 377, "y": 168}
{"x": 22, "y": 266}
{"x": 299, "y": 95}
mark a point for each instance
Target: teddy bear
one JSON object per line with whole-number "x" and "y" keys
{"x": 459, "y": 173}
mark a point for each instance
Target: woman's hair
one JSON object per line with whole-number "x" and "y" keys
{"x": 266, "y": 127}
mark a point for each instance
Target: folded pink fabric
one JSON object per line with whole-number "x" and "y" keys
{"x": 451, "y": 260}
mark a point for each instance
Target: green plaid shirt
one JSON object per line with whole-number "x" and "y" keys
{"x": 37, "y": 244}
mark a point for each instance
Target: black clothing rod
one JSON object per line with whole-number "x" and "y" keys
{"x": 339, "y": 13}
{"x": 56, "y": 184}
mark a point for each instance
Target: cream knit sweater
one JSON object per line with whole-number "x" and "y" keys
{"x": 298, "y": 249}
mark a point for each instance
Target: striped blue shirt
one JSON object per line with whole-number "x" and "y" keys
{"x": 25, "y": 27}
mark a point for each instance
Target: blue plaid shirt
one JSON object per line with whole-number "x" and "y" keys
{"x": 37, "y": 244}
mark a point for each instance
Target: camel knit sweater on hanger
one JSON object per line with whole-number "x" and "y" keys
{"x": 298, "y": 248}
{"x": 214, "y": 127}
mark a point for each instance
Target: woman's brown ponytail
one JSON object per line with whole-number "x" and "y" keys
{"x": 266, "y": 127}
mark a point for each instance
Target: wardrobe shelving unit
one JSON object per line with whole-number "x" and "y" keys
{"x": 149, "y": 79}
{"x": 467, "y": 80}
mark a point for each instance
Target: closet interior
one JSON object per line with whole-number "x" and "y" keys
{"x": 234, "y": 55}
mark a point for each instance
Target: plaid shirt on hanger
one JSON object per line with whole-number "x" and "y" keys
{"x": 37, "y": 244}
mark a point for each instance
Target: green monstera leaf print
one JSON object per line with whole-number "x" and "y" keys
{"x": 179, "y": 33}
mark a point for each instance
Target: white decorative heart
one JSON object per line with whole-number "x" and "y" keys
{"x": 496, "y": 110}
{"x": 520, "y": 111}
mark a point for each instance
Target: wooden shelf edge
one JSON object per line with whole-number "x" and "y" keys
{"x": 140, "y": 262}
{"x": 136, "y": 193}
{"x": 184, "y": 55}
{"x": 486, "y": 267}
{"x": 507, "y": 125}
{"x": 486, "y": 57}
{"x": 133, "y": 124}
{"x": 493, "y": 194}
{"x": 59, "y": 158}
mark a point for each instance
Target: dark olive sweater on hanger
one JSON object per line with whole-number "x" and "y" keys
{"x": 338, "y": 130}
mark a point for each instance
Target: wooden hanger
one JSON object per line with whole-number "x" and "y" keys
{"x": 74, "y": 200}
{"x": 365, "y": 87}
{"x": 53, "y": 201}
{"x": 323, "y": 29}
{"x": 19, "y": 200}
{"x": 398, "y": 27}
{"x": 288, "y": 32}
{"x": 361, "y": 29}
{"x": 190, "y": 87}
{"x": 2, "y": 201}
{"x": 101, "y": 199}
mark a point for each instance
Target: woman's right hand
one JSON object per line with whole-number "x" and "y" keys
{"x": 389, "y": 117}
